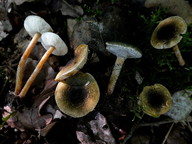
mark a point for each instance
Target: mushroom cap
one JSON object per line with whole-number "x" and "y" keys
{"x": 50, "y": 39}
{"x": 78, "y": 95}
{"x": 81, "y": 54}
{"x": 155, "y": 100}
{"x": 35, "y": 24}
{"x": 168, "y": 32}
{"x": 123, "y": 50}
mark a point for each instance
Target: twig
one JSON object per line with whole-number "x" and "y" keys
{"x": 166, "y": 136}
{"x": 134, "y": 127}
{"x": 189, "y": 119}
{"x": 189, "y": 126}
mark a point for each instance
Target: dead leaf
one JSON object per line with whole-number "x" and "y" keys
{"x": 45, "y": 130}
{"x": 5, "y": 25}
{"x": 101, "y": 129}
{"x": 30, "y": 118}
{"x": 87, "y": 31}
{"x": 66, "y": 8}
{"x": 84, "y": 138}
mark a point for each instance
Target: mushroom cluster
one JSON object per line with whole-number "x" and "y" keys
{"x": 35, "y": 26}
{"x": 77, "y": 93}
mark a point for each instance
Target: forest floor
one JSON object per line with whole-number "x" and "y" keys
{"x": 117, "y": 118}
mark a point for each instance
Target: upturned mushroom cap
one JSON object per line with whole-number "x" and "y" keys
{"x": 35, "y": 24}
{"x": 78, "y": 95}
{"x": 123, "y": 50}
{"x": 81, "y": 54}
{"x": 168, "y": 32}
{"x": 155, "y": 100}
{"x": 49, "y": 39}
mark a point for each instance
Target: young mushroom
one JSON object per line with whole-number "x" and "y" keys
{"x": 122, "y": 51}
{"x": 79, "y": 60}
{"x": 77, "y": 95}
{"x": 54, "y": 45}
{"x": 168, "y": 34}
{"x": 155, "y": 100}
{"x": 35, "y": 26}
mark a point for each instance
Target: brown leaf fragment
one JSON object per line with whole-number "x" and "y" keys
{"x": 45, "y": 130}
{"x": 5, "y": 25}
{"x": 30, "y": 118}
{"x": 101, "y": 129}
{"x": 84, "y": 138}
{"x": 65, "y": 8}
{"x": 87, "y": 31}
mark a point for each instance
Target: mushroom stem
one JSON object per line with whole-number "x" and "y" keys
{"x": 20, "y": 68}
{"x": 178, "y": 55}
{"x": 36, "y": 71}
{"x": 115, "y": 74}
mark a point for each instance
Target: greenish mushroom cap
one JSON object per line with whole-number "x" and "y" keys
{"x": 168, "y": 32}
{"x": 155, "y": 100}
{"x": 77, "y": 95}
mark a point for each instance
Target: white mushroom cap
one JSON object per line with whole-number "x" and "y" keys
{"x": 81, "y": 54}
{"x": 50, "y": 39}
{"x": 123, "y": 50}
{"x": 35, "y": 24}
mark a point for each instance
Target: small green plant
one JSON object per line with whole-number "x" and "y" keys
{"x": 187, "y": 38}
{"x": 93, "y": 12}
{"x": 114, "y": 1}
{"x": 4, "y": 119}
{"x": 153, "y": 19}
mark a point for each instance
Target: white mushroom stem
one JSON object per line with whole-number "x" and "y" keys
{"x": 36, "y": 71}
{"x": 115, "y": 74}
{"x": 20, "y": 68}
{"x": 178, "y": 55}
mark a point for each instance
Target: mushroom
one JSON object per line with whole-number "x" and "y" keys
{"x": 167, "y": 34}
{"x": 54, "y": 45}
{"x": 155, "y": 100}
{"x": 79, "y": 60}
{"x": 122, "y": 51}
{"x": 35, "y": 26}
{"x": 77, "y": 95}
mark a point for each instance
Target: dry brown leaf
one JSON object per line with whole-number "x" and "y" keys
{"x": 101, "y": 130}
{"x": 84, "y": 138}
{"x": 30, "y": 118}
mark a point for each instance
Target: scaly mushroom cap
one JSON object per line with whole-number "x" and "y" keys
{"x": 123, "y": 50}
{"x": 35, "y": 24}
{"x": 49, "y": 39}
{"x": 78, "y": 95}
{"x": 155, "y": 100}
{"x": 168, "y": 32}
{"x": 81, "y": 54}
